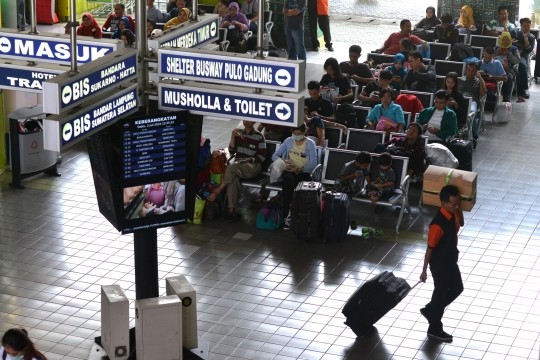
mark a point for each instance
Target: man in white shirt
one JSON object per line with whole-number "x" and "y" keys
{"x": 438, "y": 121}
{"x": 152, "y": 12}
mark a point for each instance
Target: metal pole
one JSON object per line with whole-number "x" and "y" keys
{"x": 146, "y": 264}
{"x": 33, "y": 21}
{"x": 195, "y": 11}
{"x": 260, "y": 29}
{"x": 142, "y": 51}
{"x": 73, "y": 23}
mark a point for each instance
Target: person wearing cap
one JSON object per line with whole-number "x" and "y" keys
{"x": 183, "y": 16}
{"x": 413, "y": 144}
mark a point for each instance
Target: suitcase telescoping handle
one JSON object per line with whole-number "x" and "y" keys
{"x": 405, "y": 292}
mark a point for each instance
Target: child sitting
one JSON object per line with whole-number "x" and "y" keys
{"x": 384, "y": 183}
{"x": 352, "y": 175}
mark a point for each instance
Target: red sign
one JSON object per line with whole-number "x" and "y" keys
{"x": 34, "y": 144}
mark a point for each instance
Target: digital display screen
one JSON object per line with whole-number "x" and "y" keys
{"x": 154, "y": 163}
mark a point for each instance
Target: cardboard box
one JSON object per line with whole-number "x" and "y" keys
{"x": 436, "y": 177}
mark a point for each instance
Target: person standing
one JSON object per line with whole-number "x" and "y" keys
{"x": 442, "y": 256}
{"x": 318, "y": 11}
{"x": 294, "y": 15}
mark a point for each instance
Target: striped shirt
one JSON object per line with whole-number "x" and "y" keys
{"x": 249, "y": 146}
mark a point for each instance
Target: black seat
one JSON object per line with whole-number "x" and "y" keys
{"x": 443, "y": 67}
{"x": 364, "y": 140}
{"x": 334, "y": 135}
{"x": 438, "y": 51}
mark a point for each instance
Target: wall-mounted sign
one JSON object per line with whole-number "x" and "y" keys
{"x": 53, "y": 48}
{"x": 188, "y": 34}
{"x": 242, "y": 104}
{"x": 64, "y": 91}
{"x": 74, "y": 125}
{"x": 18, "y": 75}
{"x": 237, "y": 69}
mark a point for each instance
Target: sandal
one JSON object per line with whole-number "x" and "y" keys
{"x": 520, "y": 99}
{"x": 378, "y": 233}
{"x": 259, "y": 199}
{"x": 365, "y": 230}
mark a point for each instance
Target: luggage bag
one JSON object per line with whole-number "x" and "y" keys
{"x": 373, "y": 300}
{"x": 306, "y": 210}
{"x": 463, "y": 151}
{"x": 336, "y": 216}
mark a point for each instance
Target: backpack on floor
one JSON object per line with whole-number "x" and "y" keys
{"x": 491, "y": 100}
{"x": 270, "y": 216}
{"x": 503, "y": 113}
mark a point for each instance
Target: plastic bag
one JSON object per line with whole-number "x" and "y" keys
{"x": 270, "y": 217}
{"x": 198, "y": 212}
{"x": 330, "y": 94}
{"x": 440, "y": 155}
{"x": 276, "y": 169}
{"x": 504, "y": 111}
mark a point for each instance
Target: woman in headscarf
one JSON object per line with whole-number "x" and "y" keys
{"x": 430, "y": 21}
{"x": 509, "y": 56}
{"x": 222, "y": 8}
{"x": 465, "y": 22}
{"x": 183, "y": 16}
{"x": 123, "y": 24}
{"x": 89, "y": 27}
{"x": 238, "y": 25}
{"x": 398, "y": 71}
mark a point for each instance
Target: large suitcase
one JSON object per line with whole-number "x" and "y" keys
{"x": 336, "y": 216}
{"x": 463, "y": 151}
{"x": 537, "y": 61}
{"x": 373, "y": 300}
{"x": 306, "y": 210}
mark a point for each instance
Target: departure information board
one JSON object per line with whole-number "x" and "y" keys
{"x": 153, "y": 147}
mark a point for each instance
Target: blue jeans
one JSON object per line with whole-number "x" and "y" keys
{"x": 253, "y": 28}
{"x": 474, "y": 108}
{"x": 523, "y": 77}
{"x": 295, "y": 41}
{"x": 507, "y": 85}
{"x": 21, "y": 19}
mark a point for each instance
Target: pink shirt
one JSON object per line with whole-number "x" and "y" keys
{"x": 392, "y": 43}
{"x": 155, "y": 196}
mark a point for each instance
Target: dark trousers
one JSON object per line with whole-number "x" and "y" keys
{"x": 523, "y": 77}
{"x": 324, "y": 24}
{"x": 290, "y": 180}
{"x": 506, "y": 87}
{"x": 448, "y": 286}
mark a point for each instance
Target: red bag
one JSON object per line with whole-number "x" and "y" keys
{"x": 218, "y": 163}
{"x": 491, "y": 86}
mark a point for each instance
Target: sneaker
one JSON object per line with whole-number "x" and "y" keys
{"x": 424, "y": 313}
{"x": 287, "y": 225}
{"x": 526, "y": 95}
{"x": 330, "y": 48}
{"x": 443, "y": 336}
{"x": 315, "y": 49}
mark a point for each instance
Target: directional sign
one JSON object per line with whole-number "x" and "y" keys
{"x": 18, "y": 75}
{"x": 242, "y": 104}
{"x": 64, "y": 130}
{"x": 188, "y": 34}
{"x": 53, "y": 48}
{"x": 65, "y": 91}
{"x": 235, "y": 69}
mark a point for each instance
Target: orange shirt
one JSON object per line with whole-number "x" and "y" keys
{"x": 435, "y": 232}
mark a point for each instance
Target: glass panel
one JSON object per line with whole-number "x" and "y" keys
{"x": 456, "y": 3}
{"x": 478, "y": 4}
{"x": 488, "y": 15}
{"x": 489, "y": 4}
{"x": 468, "y": 2}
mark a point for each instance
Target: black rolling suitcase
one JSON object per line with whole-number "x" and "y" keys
{"x": 463, "y": 151}
{"x": 336, "y": 216}
{"x": 537, "y": 62}
{"x": 306, "y": 210}
{"x": 373, "y": 300}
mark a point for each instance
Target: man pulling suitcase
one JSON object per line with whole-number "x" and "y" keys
{"x": 442, "y": 256}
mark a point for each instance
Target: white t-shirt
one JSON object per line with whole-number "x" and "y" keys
{"x": 7, "y": 355}
{"x": 435, "y": 122}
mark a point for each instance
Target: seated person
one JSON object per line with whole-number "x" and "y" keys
{"x": 398, "y": 71}
{"x": 179, "y": 4}
{"x": 114, "y": 18}
{"x": 250, "y": 149}
{"x": 413, "y": 146}
{"x": 171, "y": 4}
{"x": 128, "y": 38}
{"x": 370, "y": 95}
{"x": 353, "y": 173}
{"x": 391, "y": 45}
{"x": 473, "y": 86}
{"x": 421, "y": 77}
{"x": 274, "y": 132}
{"x": 388, "y": 110}
{"x": 466, "y": 24}
{"x": 524, "y": 41}
{"x": 250, "y": 8}
{"x": 319, "y": 106}
{"x": 354, "y": 70}
{"x": 492, "y": 71}
{"x": 153, "y": 12}
{"x": 406, "y": 47}
{"x": 497, "y": 26}
{"x": 300, "y": 154}
{"x": 335, "y": 79}
{"x": 438, "y": 121}
{"x": 183, "y": 16}
{"x": 237, "y": 23}
{"x": 314, "y": 128}
{"x": 446, "y": 32}
{"x": 384, "y": 183}
{"x": 150, "y": 26}
{"x": 457, "y": 100}
{"x": 175, "y": 195}
{"x": 509, "y": 56}
{"x": 430, "y": 21}
{"x": 89, "y": 27}
{"x": 123, "y": 24}
{"x": 156, "y": 194}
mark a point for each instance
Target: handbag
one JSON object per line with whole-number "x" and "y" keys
{"x": 212, "y": 210}
{"x": 395, "y": 150}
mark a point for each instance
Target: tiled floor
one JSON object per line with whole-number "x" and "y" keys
{"x": 265, "y": 295}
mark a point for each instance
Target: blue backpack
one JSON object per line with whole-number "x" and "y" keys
{"x": 270, "y": 217}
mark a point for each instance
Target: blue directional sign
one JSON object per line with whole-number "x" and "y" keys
{"x": 18, "y": 75}
{"x": 54, "y": 48}
{"x": 237, "y": 69}
{"x": 188, "y": 34}
{"x": 65, "y": 91}
{"x": 95, "y": 115}
{"x": 242, "y": 104}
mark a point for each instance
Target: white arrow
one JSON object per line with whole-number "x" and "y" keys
{"x": 283, "y": 111}
{"x": 283, "y": 77}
